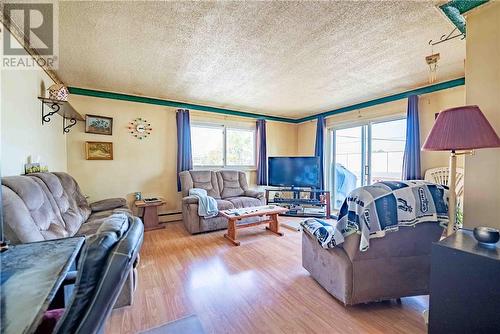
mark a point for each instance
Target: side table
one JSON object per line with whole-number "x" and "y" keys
{"x": 150, "y": 214}
{"x": 464, "y": 286}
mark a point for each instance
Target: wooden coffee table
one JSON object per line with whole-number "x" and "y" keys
{"x": 235, "y": 215}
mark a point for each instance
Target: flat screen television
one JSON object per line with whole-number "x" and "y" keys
{"x": 300, "y": 172}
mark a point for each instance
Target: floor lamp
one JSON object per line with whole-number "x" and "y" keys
{"x": 459, "y": 130}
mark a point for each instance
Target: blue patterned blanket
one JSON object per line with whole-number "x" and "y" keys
{"x": 384, "y": 206}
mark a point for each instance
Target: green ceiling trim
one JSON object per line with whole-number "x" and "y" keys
{"x": 174, "y": 104}
{"x": 390, "y": 98}
{"x": 168, "y": 103}
{"x": 455, "y": 9}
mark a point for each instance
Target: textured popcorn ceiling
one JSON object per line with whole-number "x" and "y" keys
{"x": 280, "y": 58}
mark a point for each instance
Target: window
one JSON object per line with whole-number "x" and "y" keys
{"x": 208, "y": 145}
{"x": 217, "y": 145}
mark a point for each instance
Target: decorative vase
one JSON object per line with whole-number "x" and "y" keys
{"x": 486, "y": 235}
{"x": 58, "y": 92}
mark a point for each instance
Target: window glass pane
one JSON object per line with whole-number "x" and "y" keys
{"x": 388, "y": 145}
{"x": 348, "y": 168}
{"x": 208, "y": 145}
{"x": 240, "y": 147}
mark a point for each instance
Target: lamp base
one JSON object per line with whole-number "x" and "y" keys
{"x": 452, "y": 195}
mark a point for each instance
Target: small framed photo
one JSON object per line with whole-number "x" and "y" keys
{"x": 99, "y": 150}
{"x": 100, "y": 125}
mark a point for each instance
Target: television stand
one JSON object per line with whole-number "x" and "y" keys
{"x": 301, "y": 202}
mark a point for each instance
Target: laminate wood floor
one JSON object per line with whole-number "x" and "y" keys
{"x": 258, "y": 287}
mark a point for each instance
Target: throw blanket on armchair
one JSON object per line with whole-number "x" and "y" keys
{"x": 383, "y": 206}
{"x": 207, "y": 206}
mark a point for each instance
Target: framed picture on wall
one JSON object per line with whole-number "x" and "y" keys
{"x": 99, "y": 124}
{"x": 98, "y": 150}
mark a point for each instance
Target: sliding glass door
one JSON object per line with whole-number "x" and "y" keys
{"x": 387, "y": 149}
{"x": 364, "y": 154}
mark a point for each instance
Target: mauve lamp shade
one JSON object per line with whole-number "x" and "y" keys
{"x": 461, "y": 129}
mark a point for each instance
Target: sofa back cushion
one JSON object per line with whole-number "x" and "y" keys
{"x": 232, "y": 183}
{"x": 72, "y": 205}
{"x": 203, "y": 179}
{"x": 30, "y": 211}
{"x": 77, "y": 200}
{"x": 408, "y": 241}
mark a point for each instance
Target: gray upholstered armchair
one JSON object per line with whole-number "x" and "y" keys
{"x": 395, "y": 266}
{"x": 228, "y": 187}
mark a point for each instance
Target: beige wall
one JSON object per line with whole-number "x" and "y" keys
{"x": 482, "y": 171}
{"x": 306, "y": 138}
{"x": 147, "y": 165}
{"x": 22, "y": 133}
{"x": 429, "y": 104}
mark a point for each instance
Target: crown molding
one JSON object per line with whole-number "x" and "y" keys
{"x": 183, "y": 105}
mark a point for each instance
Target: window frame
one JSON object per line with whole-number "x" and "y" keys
{"x": 225, "y": 127}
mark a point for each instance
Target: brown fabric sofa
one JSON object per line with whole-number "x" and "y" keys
{"x": 395, "y": 266}
{"x": 228, "y": 187}
{"x": 44, "y": 206}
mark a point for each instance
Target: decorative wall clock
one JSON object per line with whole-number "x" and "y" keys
{"x": 140, "y": 128}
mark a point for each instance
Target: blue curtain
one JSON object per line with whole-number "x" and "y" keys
{"x": 184, "y": 153}
{"x": 261, "y": 153}
{"x": 411, "y": 159}
{"x": 319, "y": 149}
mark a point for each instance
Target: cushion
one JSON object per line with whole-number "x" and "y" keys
{"x": 19, "y": 226}
{"x": 224, "y": 205}
{"x": 202, "y": 179}
{"x": 107, "y": 204}
{"x": 77, "y": 200}
{"x": 231, "y": 183}
{"x": 244, "y": 202}
{"x": 97, "y": 218}
{"x": 31, "y": 202}
{"x": 72, "y": 214}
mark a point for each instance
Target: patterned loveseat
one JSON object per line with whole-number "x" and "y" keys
{"x": 228, "y": 187}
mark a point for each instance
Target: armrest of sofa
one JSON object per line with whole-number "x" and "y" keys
{"x": 254, "y": 193}
{"x": 190, "y": 200}
{"x": 108, "y": 204}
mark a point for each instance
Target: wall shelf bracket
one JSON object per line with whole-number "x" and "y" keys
{"x": 55, "y": 108}
{"x": 66, "y": 128}
{"x": 69, "y": 115}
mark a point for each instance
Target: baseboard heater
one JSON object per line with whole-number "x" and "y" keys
{"x": 169, "y": 217}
